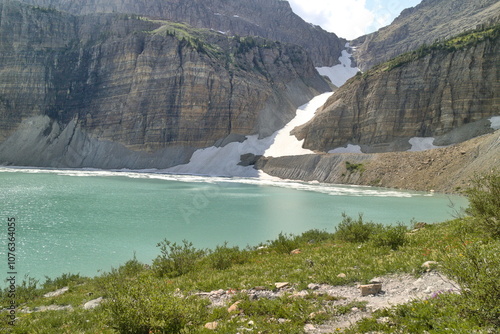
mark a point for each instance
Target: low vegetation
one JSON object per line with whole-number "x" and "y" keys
{"x": 354, "y": 167}
{"x": 460, "y": 42}
{"x": 165, "y": 297}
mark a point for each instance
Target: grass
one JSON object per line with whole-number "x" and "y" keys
{"x": 161, "y": 298}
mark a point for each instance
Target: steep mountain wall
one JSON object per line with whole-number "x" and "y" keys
{"x": 431, "y": 20}
{"x": 271, "y": 19}
{"x": 116, "y": 91}
{"x": 430, "y": 95}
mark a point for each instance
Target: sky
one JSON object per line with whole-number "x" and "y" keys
{"x": 350, "y": 18}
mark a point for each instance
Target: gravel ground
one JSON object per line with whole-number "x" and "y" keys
{"x": 396, "y": 290}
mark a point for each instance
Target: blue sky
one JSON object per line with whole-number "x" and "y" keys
{"x": 350, "y": 18}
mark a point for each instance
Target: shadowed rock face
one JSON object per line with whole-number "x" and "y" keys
{"x": 271, "y": 19}
{"x": 115, "y": 83}
{"x": 431, "y": 20}
{"x": 427, "y": 97}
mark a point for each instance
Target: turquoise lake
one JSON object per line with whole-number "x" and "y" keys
{"x": 75, "y": 221}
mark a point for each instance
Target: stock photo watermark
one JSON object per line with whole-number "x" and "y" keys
{"x": 199, "y": 202}
{"x": 11, "y": 277}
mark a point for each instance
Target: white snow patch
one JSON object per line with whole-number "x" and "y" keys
{"x": 495, "y": 122}
{"x": 339, "y": 74}
{"x": 422, "y": 144}
{"x": 349, "y": 149}
{"x": 284, "y": 143}
{"x": 223, "y": 161}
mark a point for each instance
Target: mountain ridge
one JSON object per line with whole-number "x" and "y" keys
{"x": 426, "y": 23}
{"x": 271, "y": 19}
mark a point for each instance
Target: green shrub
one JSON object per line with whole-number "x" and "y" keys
{"x": 391, "y": 236}
{"x": 176, "y": 260}
{"x": 352, "y": 230}
{"x": 314, "y": 236}
{"x": 295, "y": 310}
{"x": 142, "y": 306}
{"x": 484, "y": 202}
{"x": 224, "y": 257}
{"x": 352, "y": 167}
{"x": 437, "y": 314}
{"x": 284, "y": 243}
{"x": 63, "y": 280}
{"x": 476, "y": 268}
{"x": 28, "y": 289}
{"x": 131, "y": 268}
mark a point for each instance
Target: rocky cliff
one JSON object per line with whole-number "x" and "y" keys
{"x": 431, "y": 20}
{"x": 429, "y": 93}
{"x": 271, "y": 19}
{"x": 118, "y": 90}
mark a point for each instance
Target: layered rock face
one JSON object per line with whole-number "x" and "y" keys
{"x": 431, "y": 20}
{"x": 426, "y": 97}
{"x": 117, "y": 91}
{"x": 271, "y": 19}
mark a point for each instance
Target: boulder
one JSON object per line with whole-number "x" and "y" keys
{"x": 281, "y": 285}
{"x": 234, "y": 307}
{"x": 56, "y": 293}
{"x": 211, "y": 325}
{"x": 370, "y": 289}
{"x": 92, "y": 303}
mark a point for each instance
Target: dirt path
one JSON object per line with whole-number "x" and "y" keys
{"x": 396, "y": 290}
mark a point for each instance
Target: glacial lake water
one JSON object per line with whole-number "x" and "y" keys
{"x": 75, "y": 221}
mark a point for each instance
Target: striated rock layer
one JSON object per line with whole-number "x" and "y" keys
{"x": 116, "y": 91}
{"x": 431, "y": 96}
{"x": 431, "y": 20}
{"x": 271, "y": 19}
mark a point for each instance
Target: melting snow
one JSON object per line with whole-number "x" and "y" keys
{"x": 223, "y": 161}
{"x": 495, "y": 122}
{"x": 422, "y": 144}
{"x": 339, "y": 74}
{"x": 349, "y": 149}
{"x": 284, "y": 143}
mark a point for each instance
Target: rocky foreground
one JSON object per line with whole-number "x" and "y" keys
{"x": 383, "y": 292}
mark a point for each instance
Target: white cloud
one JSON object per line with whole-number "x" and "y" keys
{"x": 350, "y": 18}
